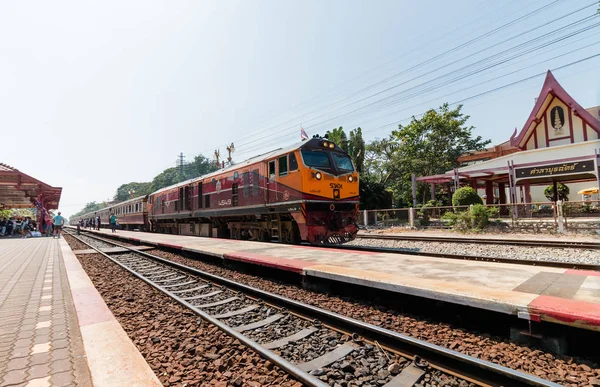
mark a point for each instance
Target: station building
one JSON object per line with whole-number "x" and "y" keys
{"x": 559, "y": 142}
{"x": 19, "y": 190}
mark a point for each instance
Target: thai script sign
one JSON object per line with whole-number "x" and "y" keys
{"x": 576, "y": 167}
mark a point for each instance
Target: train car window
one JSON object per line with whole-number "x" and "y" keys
{"x": 181, "y": 202}
{"x": 207, "y": 201}
{"x": 342, "y": 162}
{"x": 255, "y": 183}
{"x": 293, "y": 162}
{"x": 317, "y": 159}
{"x": 234, "y": 194}
{"x": 246, "y": 181}
{"x": 283, "y": 166}
{"x": 200, "y": 195}
{"x": 271, "y": 168}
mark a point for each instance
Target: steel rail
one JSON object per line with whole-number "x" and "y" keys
{"x": 485, "y": 372}
{"x": 468, "y": 257}
{"x": 486, "y": 241}
{"x": 288, "y": 367}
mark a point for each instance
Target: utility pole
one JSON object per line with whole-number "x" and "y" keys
{"x": 181, "y": 164}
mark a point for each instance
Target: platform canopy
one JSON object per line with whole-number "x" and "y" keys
{"x": 19, "y": 190}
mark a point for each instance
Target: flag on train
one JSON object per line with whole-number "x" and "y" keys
{"x": 303, "y": 134}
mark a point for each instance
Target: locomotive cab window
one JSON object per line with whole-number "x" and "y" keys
{"x": 272, "y": 168}
{"x": 293, "y": 162}
{"x": 342, "y": 162}
{"x": 283, "y": 166}
{"x": 316, "y": 159}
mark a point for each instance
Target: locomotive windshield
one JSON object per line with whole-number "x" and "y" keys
{"x": 342, "y": 162}
{"x": 316, "y": 159}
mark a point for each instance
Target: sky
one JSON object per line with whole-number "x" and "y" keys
{"x": 94, "y": 94}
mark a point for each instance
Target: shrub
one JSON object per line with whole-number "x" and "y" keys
{"x": 563, "y": 192}
{"x": 465, "y": 196}
{"x": 482, "y": 214}
{"x": 425, "y": 212}
{"x": 477, "y": 217}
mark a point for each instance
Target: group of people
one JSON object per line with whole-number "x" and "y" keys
{"x": 26, "y": 226}
{"x": 13, "y": 225}
{"x": 92, "y": 223}
{"x": 95, "y": 222}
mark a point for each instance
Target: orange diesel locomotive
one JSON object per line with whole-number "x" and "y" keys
{"x": 307, "y": 192}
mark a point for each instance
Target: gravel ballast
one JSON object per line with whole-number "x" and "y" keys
{"x": 542, "y": 254}
{"x": 565, "y": 370}
{"x": 180, "y": 347}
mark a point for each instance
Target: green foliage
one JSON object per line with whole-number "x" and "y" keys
{"x": 338, "y": 136}
{"x": 425, "y": 211}
{"x": 426, "y": 146}
{"x": 356, "y": 149}
{"x": 477, "y": 217}
{"x": 17, "y": 212}
{"x": 89, "y": 207}
{"x": 465, "y": 196}
{"x": 199, "y": 166}
{"x": 139, "y": 189}
{"x": 563, "y": 192}
{"x": 373, "y": 195}
{"x": 481, "y": 215}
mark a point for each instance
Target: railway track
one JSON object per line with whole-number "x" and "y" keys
{"x": 311, "y": 344}
{"x": 486, "y": 241}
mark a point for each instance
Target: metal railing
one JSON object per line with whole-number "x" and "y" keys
{"x": 432, "y": 217}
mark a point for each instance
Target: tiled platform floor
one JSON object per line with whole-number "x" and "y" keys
{"x": 40, "y": 340}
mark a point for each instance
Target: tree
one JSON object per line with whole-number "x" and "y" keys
{"x": 338, "y": 136}
{"x": 563, "y": 192}
{"x": 357, "y": 148}
{"x": 139, "y": 189}
{"x": 465, "y": 196}
{"x": 429, "y": 146}
{"x": 89, "y": 207}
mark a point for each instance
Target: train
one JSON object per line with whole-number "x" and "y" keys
{"x": 308, "y": 192}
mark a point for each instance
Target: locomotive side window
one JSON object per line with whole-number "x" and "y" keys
{"x": 207, "y": 201}
{"x": 200, "y": 195}
{"x": 255, "y": 183}
{"x": 293, "y": 162}
{"x": 234, "y": 194}
{"x": 271, "y": 169}
{"x": 246, "y": 180}
{"x": 283, "y": 166}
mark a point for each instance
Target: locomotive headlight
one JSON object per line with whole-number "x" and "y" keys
{"x": 350, "y": 178}
{"x": 332, "y": 145}
{"x": 325, "y": 144}
{"x": 318, "y": 176}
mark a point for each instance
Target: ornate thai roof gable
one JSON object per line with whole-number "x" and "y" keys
{"x": 550, "y": 90}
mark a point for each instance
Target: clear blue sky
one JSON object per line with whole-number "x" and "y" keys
{"x": 96, "y": 94}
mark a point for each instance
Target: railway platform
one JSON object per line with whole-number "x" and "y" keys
{"x": 55, "y": 329}
{"x": 536, "y": 293}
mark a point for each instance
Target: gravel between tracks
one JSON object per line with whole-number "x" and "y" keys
{"x": 542, "y": 254}
{"x": 180, "y": 347}
{"x": 572, "y": 372}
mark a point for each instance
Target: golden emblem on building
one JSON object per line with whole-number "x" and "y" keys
{"x": 557, "y": 115}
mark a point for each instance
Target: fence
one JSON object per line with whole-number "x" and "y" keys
{"x": 432, "y": 217}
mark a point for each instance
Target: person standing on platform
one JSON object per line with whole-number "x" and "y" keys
{"x": 113, "y": 222}
{"x": 59, "y": 221}
{"x": 98, "y": 221}
{"x": 49, "y": 226}
{"x": 79, "y": 227}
